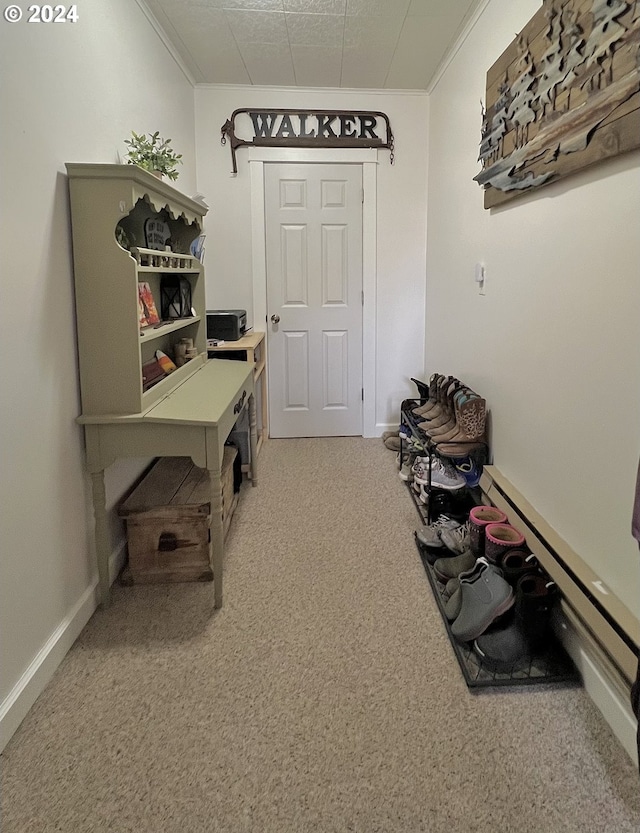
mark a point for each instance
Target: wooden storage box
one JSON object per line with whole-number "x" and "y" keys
{"x": 167, "y": 519}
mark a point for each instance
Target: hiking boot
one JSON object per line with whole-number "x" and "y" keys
{"x": 448, "y": 568}
{"x": 456, "y": 540}
{"x": 429, "y": 535}
{"x": 485, "y": 596}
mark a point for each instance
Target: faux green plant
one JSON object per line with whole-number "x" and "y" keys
{"x": 153, "y": 153}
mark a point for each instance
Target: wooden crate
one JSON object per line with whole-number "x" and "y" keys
{"x": 167, "y": 519}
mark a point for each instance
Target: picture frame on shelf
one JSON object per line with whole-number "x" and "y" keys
{"x": 145, "y": 296}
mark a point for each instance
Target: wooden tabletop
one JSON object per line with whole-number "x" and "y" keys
{"x": 201, "y": 399}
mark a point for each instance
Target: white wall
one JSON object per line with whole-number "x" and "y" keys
{"x": 69, "y": 93}
{"x": 401, "y": 221}
{"x": 554, "y": 344}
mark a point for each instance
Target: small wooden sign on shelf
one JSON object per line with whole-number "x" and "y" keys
{"x": 156, "y": 233}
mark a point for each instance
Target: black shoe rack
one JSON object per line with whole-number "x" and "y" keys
{"x": 440, "y": 501}
{"x": 549, "y": 666}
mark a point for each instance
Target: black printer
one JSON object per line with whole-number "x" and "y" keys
{"x": 226, "y": 324}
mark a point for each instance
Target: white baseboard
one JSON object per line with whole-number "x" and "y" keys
{"x": 609, "y": 695}
{"x": 35, "y": 679}
{"x": 381, "y": 427}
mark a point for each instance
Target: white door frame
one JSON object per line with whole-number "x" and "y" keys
{"x": 368, "y": 158}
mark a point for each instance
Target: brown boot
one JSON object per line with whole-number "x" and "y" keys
{"x": 470, "y": 421}
{"x": 436, "y": 406}
{"x": 450, "y": 428}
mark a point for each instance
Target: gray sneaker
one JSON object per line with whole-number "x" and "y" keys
{"x": 429, "y": 535}
{"x": 456, "y": 540}
{"x": 485, "y": 596}
{"x": 444, "y": 476}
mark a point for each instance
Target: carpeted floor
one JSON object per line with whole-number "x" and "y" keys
{"x": 324, "y": 696}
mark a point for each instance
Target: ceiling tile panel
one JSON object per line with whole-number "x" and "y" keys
{"x": 377, "y": 7}
{"x": 259, "y": 5}
{"x": 190, "y": 18}
{"x": 454, "y": 10}
{"x": 417, "y": 55}
{"x": 172, "y": 7}
{"x": 364, "y": 31}
{"x": 268, "y": 64}
{"x": 258, "y": 27}
{"x": 262, "y": 5}
{"x": 366, "y": 66}
{"x": 376, "y": 44}
{"x": 317, "y": 66}
{"x": 218, "y": 56}
{"x": 315, "y": 6}
{"x": 315, "y": 29}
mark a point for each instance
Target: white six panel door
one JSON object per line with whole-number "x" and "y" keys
{"x": 314, "y": 287}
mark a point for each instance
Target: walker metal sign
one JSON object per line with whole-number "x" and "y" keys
{"x": 306, "y": 128}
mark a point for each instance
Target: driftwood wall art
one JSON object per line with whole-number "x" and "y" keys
{"x": 564, "y": 95}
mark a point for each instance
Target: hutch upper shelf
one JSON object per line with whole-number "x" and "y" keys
{"x": 110, "y": 205}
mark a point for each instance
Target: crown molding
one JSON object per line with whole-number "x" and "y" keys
{"x": 165, "y": 40}
{"x": 457, "y": 44}
{"x": 326, "y": 90}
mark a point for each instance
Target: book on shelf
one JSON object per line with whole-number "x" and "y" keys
{"x": 142, "y": 315}
{"x": 152, "y": 373}
{"x": 148, "y": 305}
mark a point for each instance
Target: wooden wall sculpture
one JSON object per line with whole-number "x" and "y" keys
{"x": 564, "y": 95}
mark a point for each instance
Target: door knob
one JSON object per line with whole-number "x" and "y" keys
{"x": 275, "y": 319}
